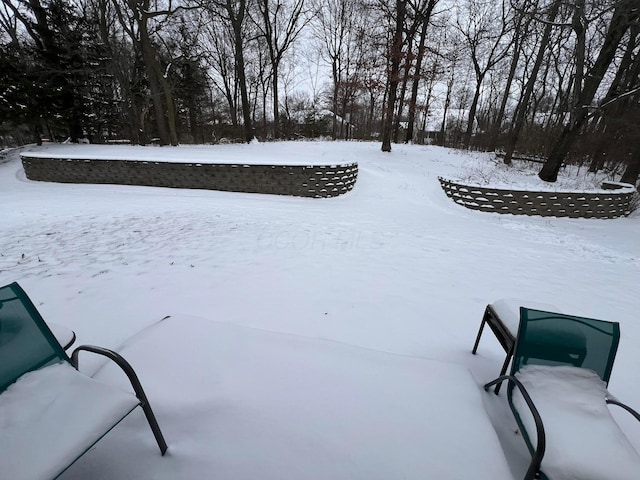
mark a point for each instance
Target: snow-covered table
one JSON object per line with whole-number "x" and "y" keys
{"x": 248, "y": 403}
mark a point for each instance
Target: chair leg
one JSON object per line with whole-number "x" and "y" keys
{"x": 135, "y": 383}
{"x": 504, "y": 368}
{"x": 475, "y": 345}
{"x": 153, "y": 423}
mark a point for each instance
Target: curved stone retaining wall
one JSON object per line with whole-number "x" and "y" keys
{"x": 303, "y": 181}
{"x": 610, "y": 204}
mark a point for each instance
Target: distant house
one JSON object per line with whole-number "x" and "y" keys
{"x": 318, "y": 122}
{"x": 429, "y": 130}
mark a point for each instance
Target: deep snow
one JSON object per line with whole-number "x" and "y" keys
{"x": 393, "y": 267}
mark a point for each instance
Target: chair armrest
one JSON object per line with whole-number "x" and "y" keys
{"x": 135, "y": 383}
{"x": 613, "y": 401}
{"x": 118, "y": 359}
{"x": 536, "y": 459}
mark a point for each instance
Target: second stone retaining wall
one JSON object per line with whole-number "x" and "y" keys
{"x": 609, "y": 204}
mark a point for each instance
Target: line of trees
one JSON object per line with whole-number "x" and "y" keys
{"x": 555, "y": 79}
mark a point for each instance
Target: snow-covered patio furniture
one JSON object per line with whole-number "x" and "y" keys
{"x": 559, "y": 398}
{"x": 247, "y": 403}
{"x": 502, "y": 317}
{"x": 50, "y": 413}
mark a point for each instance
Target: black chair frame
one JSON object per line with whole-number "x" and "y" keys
{"x": 135, "y": 383}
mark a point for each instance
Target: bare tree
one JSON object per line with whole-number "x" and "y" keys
{"x": 334, "y": 26}
{"x": 424, "y": 16}
{"x": 521, "y": 30}
{"x": 142, "y": 20}
{"x": 394, "y": 57}
{"x": 618, "y": 115}
{"x": 9, "y": 23}
{"x": 579, "y": 26}
{"x": 280, "y": 23}
{"x": 124, "y": 67}
{"x": 234, "y": 12}
{"x": 625, "y": 15}
{"x": 220, "y": 51}
{"x": 523, "y": 105}
{"x": 486, "y": 38}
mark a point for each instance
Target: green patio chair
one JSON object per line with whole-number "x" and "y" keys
{"x": 50, "y": 413}
{"x": 557, "y": 391}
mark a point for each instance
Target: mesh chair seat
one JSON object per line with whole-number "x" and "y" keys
{"x": 34, "y": 444}
{"x": 578, "y": 425}
{"x": 51, "y": 414}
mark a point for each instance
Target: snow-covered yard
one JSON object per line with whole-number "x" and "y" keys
{"x": 310, "y": 338}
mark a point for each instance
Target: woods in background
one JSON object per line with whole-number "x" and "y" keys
{"x": 550, "y": 79}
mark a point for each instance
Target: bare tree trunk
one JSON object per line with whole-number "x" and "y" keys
{"x": 625, "y": 14}
{"x": 515, "y": 59}
{"x": 528, "y": 90}
{"x": 276, "y": 104}
{"x": 472, "y": 111}
{"x": 447, "y": 104}
{"x": 132, "y": 112}
{"x": 418, "y": 71}
{"x": 627, "y": 76}
{"x": 394, "y": 73}
{"x": 579, "y": 27}
{"x": 237, "y": 19}
{"x": 414, "y": 86}
{"x": 279, "y": 27}
{"x": 403, "y": 90}
{"x": 148, "y": 57}
{"x": 170, "y": 106}
{"x": 334, "y": 99}
{"x": 632, "y": 172}
{"x": 486, "y": 46}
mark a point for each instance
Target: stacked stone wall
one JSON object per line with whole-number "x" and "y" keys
{"x": 304, "y": 181}
{"x": 609, "y": 204}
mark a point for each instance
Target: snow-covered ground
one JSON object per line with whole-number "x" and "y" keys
{"x": 285, "y": 153}
{"x": 307, "y": 337}
{"x": 486, "y": 170}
